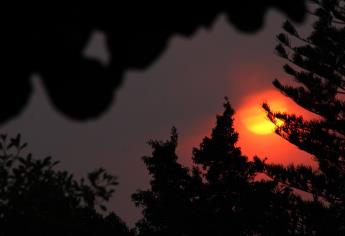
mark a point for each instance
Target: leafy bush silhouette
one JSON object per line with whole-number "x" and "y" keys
{"x": 37, "y": 199}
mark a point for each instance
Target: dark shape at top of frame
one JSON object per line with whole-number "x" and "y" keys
{"x": 50, "y": 43}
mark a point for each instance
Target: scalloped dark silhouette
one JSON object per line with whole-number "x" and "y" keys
{"x": 51, "y": 44}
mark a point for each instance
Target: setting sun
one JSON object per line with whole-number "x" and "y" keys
{"x": 254, "y": 117}
{"x": 259, "y": 124}
{"x": 256, "y": 131}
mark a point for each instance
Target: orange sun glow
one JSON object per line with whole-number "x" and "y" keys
{"x": 254, "y": 117}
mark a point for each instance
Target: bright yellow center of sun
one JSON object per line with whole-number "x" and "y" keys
{"x": 259, "y": 124}
{"x": 256, "y": 121}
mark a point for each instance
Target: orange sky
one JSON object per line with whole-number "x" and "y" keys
{"x": 256, "y": 134}
{"x": 269, "y": 145}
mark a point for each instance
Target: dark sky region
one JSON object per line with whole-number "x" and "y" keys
{"x": 184, "y": 88}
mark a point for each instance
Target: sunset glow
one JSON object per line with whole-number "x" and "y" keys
{"x": 258, "y": 123}
{"x": 256, "y": 131}
{"x": 254, "y": 117}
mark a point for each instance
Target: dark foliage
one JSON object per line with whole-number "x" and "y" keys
{"x": 168, "y": 204}
{"x": 233, "y": 201}
{"x": 220, "y": 195}
{"x": 37, "y": 199}
{"x": 50, "y": 43}
{"x": 317, "y": 65}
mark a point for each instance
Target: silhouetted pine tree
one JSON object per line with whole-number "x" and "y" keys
{"x": 220, "y": 196}
{"x": 168, "y": 204}
{"x": 37, "y": 199}
{"x": 233, "y": 200}
{"x": 317, "y": 64}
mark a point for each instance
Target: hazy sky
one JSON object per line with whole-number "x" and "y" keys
{"x": 184, "y": 88}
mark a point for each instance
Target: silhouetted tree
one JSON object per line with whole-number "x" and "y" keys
{"x": 219, "y": 196}
{"x": 234, "y": 200}
{"x": 317, "y": 64}
{"x": 168, "y": 204}
{"x": 37, "y": 199}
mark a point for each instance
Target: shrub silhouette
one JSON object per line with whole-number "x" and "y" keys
{"x": 37, "y": 199}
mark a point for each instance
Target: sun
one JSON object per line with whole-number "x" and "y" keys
{"x": 258, "y": 123}
{"x": 254, "y": 117}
